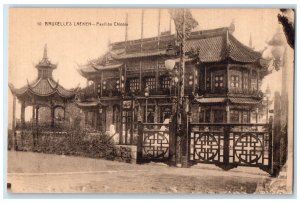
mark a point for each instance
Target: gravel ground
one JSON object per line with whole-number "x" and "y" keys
{"x": 44, "y": 173}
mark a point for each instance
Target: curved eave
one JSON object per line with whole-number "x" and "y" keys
{"x": 49, "y": 94}
{"x": 87, "y": 71}
{"x": 90, "y": 104}
{"x": 29, "y": 90}
{"x": 138, "y": 55}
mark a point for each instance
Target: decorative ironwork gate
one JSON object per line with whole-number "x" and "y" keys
{"x": 231, "y": 145}
{"x": 154, "y": 142}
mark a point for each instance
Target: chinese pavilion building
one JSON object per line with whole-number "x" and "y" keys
{"x": 130, "y": 83}
{"x": 42, "y": 92}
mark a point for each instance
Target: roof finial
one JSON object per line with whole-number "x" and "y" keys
{"x": 250, "y": 41}
{"x": 231, "y": 27}
{"x": 45, "y": 52}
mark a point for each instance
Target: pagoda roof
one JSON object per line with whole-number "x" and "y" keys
{"x": 208, "y": 46}
{"x": 212, "y": 45}
{"x": 43, "y": 87}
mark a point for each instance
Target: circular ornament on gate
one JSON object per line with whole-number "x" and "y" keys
{"x": 156, "y": 145}
{"x": 248, "y": 148}
{"x": 206, "y": 146}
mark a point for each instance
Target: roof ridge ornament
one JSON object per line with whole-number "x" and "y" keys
{"x": 231, "y": 27}
{"x": 28, "y": 83}
{"x": 45, "y": 56}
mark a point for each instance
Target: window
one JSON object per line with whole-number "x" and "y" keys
{"x": 208, "y": 82}
{"x": 234, "y": 116}
{"x": 235, "y": 81}
{"x": 150, "y": 82}
{"x": 207, "y": 116}
{"x": 246, "y": 81}
{"x": 98, "y": 88}
{"x": 166, "y": 113}
{"x": 165, "y": 82}
{"x": 254, "y": 81}
{"x": 245, "y": 117}
{"x": 150, "y": 114}
{"x": 219, "y": 81}
{"x": 218, "y": 116}
{"x": 134, "y": 84}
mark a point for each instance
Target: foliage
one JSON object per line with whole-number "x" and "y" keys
{"x": 74, "y": 142}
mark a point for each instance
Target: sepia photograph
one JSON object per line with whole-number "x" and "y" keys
{"x": 150, "y": 100}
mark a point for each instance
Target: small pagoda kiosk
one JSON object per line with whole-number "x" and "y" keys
{"x": 42, "y": 92}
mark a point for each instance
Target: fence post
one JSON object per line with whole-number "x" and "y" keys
{"x": 172, "y": 143}
{"x": 140, "y": 143}
{"x": 270, "y": 148}
{"x": 184, "y": 141}
{"x": 226, "y": 147}
{"x": 276, "y": 135}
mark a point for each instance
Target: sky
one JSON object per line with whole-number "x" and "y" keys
{"x": 72, "y": 45}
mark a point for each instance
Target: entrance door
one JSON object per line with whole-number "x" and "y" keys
{"x": 126, "y": 125}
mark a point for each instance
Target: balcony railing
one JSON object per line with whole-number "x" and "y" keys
{"x": 235, "y": 91}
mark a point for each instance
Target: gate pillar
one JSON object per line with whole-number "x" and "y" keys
{"x": 140, "y": 143}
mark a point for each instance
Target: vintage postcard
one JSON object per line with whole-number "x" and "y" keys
{"x": 150, "y": 100}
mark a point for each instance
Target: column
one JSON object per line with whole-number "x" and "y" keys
{"x": 52, "y": 116}
{"x": 228, "y": 78}
{"x": 37, "y": 116}
{"x": 23, "y": 114}
{"x": 14, "y": 140}
{"x": 227, "y": 113}
{"x": 156, "y": 115}
{"x": 33, "y": 112}
{"x": 156, "y": 76}
{"x": 85, "y": 118}
{"x": 258, "y": 80}
{"x": 204, "y": 77}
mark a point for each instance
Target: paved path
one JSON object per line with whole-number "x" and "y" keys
{"x": 43, "y": 173}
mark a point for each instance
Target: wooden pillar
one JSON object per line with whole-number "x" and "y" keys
{"x": 257, "y": 80}
{"x": 194, "y": 77}
{"x": 23, "y": 114}
{"x": 35, "y": 139}
{"x": 227, "y": 113}
{"x": 251, "y": 72}
{"x": 101, "y": 82}
{"x": 211, "y": 82}
{"x": 256, "y": 111}
{"x": 228, "y": 78}
{"x": 156, "y": 75}
{"x": 275, "y": 169}
{"x": 121, "y": 122}
{"x": 205, "y": 77}
{"x": 33, "y": 112}
{"x": 140, "y": 84}
{"x": 37, "y": 116}
{"x": 211, "y": 115}
{"x": 156, "y": 115}
{"x": 140, "y": 143}
{"x": 52, "y": 116}
{"x": 85, "y": 118}
{"x": 132, "y": 120}
{"x": 14, "y": 140}
{"x": 93, "y": 119}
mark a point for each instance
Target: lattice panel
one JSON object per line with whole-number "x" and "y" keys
{"x": 206, "y": 146}
{"x": 156, "y": 145}
{"x": 249, "y": 148}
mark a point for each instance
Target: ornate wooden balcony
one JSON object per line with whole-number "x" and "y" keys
{"x": 234, "y": 92}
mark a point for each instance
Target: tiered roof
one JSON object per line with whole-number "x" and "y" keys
{"x": 210, "y": 45}
{"x": 44, "y": 85}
